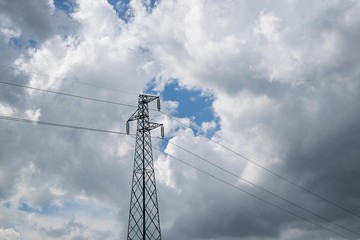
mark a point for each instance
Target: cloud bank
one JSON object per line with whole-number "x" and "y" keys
{"x": 282, "y": 78}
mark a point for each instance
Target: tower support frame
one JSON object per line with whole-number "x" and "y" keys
{"x": 144, "y": 220}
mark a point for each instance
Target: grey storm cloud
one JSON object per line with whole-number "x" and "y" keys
{"x": 32, "y": 17}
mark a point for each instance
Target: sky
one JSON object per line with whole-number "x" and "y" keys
{"x": 265, "y": 90}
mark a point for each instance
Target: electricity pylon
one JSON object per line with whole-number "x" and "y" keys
{"x": 144, "y": 221}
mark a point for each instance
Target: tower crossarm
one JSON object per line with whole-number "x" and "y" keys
{"x": 145, "y": 98}
{"x": 135, "y": 116}
{"x": 153, "y": 125}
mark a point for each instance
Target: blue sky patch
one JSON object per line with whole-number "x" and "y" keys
{"x": 32, "y": 43}
{"x": 49, "y": 209}
{"x": 122, "y": 9}
{"x": 143, "y": 49}
{"x": 19, "y": 42}
{"x": 67, "y": 6}
{"x": 16, "y": 42}
{"x": 24, "y": 207}
{"x": 192, "y": 104}
{"x": 150, "y": 5}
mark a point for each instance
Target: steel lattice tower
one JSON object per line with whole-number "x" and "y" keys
{"x": 144, "y": 221}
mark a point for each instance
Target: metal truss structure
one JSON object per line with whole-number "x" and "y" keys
{"x": 144, "y": 221}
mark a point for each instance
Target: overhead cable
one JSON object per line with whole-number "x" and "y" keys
{"x": 259, "y": 187}
{"x": 201, "y": 134}
{"x": 67, "y": 94}
{"x": 266, "y": 169}
{"x": 178, "y": 159}
{"x": 58, "y": 125}
{"x": 68, "y": 80}
{"x": 254, "y": 195}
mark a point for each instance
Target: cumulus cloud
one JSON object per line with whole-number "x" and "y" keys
{"x": 9, "y": 234}
{"x": 35, "y": 20}
{"x": 284, "y": 80}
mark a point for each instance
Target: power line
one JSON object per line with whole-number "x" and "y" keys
{"x": 122, "y": 133}
{"x": 67, "y": 94}
{"x": 266, "y": 169}
{"x": 254, "y": 195}
{"x": 198, "y": 129}
{"x": 261, "y": 188}
{"x": 23, "y": 120}
{"x": 69, "y": 80}
{"x": 201, "y": 134}
{"x": 213, "y": 176}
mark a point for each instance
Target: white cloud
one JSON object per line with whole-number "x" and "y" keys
{"x": 268, "y": 25}
{"x": 6, "y": 110}
{"x": 164, "y": 172}
{"x": 208, "y": 126}
{"x": 7, "y": 30}
{"x": 9, "y": 234}
{"x": 52, "y": 6}
{"x": 33, "y": 114}
{"x": 284, "y": 80}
